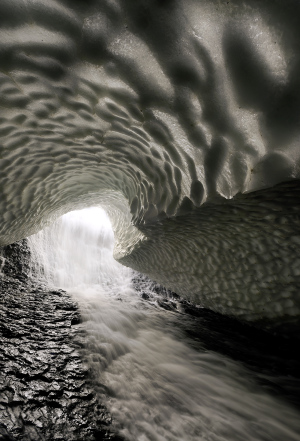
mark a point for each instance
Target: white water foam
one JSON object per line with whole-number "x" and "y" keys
{"x": 156, "y": 385}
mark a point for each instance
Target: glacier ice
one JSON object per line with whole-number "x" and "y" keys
{"x": 180, "y": 118}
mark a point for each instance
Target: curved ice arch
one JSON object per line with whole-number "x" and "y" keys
{"x": 152, "y": 109}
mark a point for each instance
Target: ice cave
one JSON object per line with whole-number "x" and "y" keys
{"x": 180, "y": 119}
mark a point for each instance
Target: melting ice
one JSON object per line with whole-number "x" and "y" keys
{"x": 156, "y": 383}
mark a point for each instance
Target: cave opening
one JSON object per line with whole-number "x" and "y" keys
{"x": 77, "y": 251}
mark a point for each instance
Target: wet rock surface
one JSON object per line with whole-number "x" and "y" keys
{"x": 44, "y": 385}
{"x": 47, "y": 392}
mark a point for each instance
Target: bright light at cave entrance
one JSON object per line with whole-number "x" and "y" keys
{"x": 78, "y": 250}
{"x": 93, "y": 219}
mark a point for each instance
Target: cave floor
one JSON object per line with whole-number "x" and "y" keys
{"x": 44, "y": 390}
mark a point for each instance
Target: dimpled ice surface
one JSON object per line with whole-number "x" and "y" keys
{"x": 181, "y": 119}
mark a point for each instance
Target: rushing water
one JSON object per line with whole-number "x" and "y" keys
{"x": 157, "y": 376}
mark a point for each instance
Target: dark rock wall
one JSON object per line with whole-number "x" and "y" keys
{"x": 15, "y": 261}
{"x": 44, "y": 385}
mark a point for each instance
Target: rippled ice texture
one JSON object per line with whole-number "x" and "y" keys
{"x": 157, "y": 384}
{"x": 152, "y": 108}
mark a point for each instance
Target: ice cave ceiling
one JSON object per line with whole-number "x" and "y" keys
{"x": 181, "y": 118}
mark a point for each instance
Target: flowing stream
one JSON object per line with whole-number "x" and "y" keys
{"x": 158, "y": 379}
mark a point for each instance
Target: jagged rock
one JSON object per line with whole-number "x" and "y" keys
{"x": 44, "y": 385}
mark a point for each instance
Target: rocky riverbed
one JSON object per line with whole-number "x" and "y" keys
{"x": 44, "y": 385}
{"x": 48, "y": 393}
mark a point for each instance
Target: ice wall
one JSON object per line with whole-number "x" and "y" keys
{"x": 150, "y": 109}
